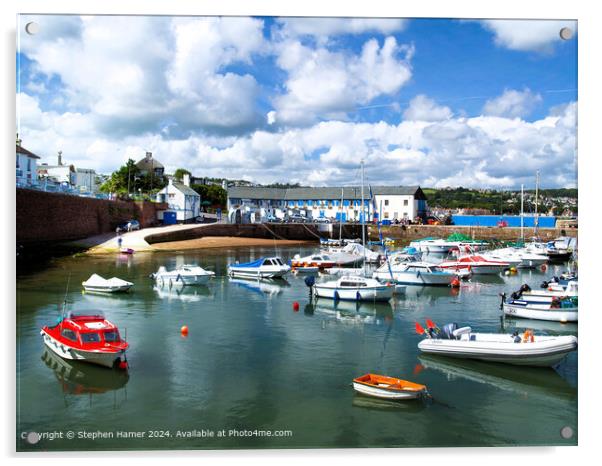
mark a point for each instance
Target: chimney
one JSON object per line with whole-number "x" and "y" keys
{"x": 60, "y": 158}
{"x": 186, "y": 179}
{"x": 18, "y": 140}
{"x": 149, "y": 155}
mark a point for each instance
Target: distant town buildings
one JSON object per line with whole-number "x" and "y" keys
{"x": 27, "y": 172}
{"x": 392, "y": 203}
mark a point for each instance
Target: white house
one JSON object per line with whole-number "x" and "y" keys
{"x": 386, "y": 202}
{"x": 181, "y": 198}
{"x": 27, "y": 171}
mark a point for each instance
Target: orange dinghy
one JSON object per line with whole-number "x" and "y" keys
{"x": 381, "y": 386}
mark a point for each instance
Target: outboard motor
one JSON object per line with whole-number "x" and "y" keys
{"x": 544, "y": 284}
{"x": 447, "y": 331}
{"x": 525, "y": 288}
{"x": 310, "y": 281}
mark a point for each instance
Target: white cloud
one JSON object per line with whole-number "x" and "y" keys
{"x": 322, "y": 82}
{"x": 513, "y": 104}
{"x": 483, "y": 151}
{"x": 528, "y": 35}
{"x": 425, "y": 109}
{"x": 324, "y": 27}
{"x": 131, "y": 82}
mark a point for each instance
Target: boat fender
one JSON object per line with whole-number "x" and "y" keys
{"x": 358, "y": 296}
{"x": 336, "y": 296}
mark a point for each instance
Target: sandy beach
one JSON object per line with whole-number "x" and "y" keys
{"x": 222, "y": 242}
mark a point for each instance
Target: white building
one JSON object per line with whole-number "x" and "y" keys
{"x": 182, "y": 199}
{"x": 27, "y": 171}
{"x": 389, "y": 203}
{"x": 85, "y": 180}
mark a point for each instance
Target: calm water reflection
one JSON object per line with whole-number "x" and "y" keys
{"x": 252, "y": 362}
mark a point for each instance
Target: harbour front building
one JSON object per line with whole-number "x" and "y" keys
{"x": 248, "y": 204}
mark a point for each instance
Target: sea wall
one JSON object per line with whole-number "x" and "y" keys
{"x": 47, "y": 218}
{"x": 404, "y": 234}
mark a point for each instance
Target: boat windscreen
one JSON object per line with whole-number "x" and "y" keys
{"x": 91, "y": 337}
{"x": 111, "y": 336}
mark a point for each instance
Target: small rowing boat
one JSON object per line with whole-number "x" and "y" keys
{"x": 98, "y": 284}
{"x": 382, "y": 386}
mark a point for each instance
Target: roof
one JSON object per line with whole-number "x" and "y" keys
{"x": 148, "y": 164}
{"x": 184, "y": 189}
{"x": 22, "y": 150}
{"x": 351, "y": 192}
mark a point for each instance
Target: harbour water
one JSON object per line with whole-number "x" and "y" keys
{"x": 269, "y": 377}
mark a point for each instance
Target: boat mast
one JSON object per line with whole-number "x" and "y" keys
{"x": 522, "y": 212}
{"x": 536, "y": 223}
{"x": 363, "y": 215}
{"x": 341, "y": 218}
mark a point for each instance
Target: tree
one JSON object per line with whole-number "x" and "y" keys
{"x": 180, "y": 172}
{"x": 122, "y": 180}
{"x": 128, "y": 179}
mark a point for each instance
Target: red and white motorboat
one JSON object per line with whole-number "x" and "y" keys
{"x": 87, "y": 338}
{"x": 322, "y": 261}
{"x": 478, "y": 265}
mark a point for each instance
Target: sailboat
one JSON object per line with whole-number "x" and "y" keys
{"x": 356, "y": 287}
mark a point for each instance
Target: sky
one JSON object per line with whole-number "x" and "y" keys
{"x": 429, "y": 102}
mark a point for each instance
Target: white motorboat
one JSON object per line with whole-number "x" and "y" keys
{"x": 433, "y": 245}
{"x": 267, "y": 267}
{"x": 558, "y": 310}
{"x": 362, "y": 253}
{"x": 520, "y": 349}
{"x": 354, "y": 288}
{"x": 413, "y": 273}
{"x": 476, "y": 264}
{"x": 183, "y": 275}
{"x": 517, "y": 257}
{"x": 547, "y": 295}
{"x": 98, "y": 284}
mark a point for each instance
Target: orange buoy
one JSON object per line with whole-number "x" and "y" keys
{"x": 184, "y": 330}
{"x": 295, "y": 306}
{"x": 455, "y": 283}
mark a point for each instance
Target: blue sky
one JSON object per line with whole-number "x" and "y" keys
{"x": 433, "y": 102}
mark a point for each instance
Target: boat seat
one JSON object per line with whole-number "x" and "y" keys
{"x": 461, "y": 331}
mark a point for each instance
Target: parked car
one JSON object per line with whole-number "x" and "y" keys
{"x": 272, "y": 218}
{"x": 295, "y": 218}
{"x": 321, "y": 220}
{"x": 130, "y": 225}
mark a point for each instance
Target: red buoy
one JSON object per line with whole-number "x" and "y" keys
{"x": 455, "y": 283}
{"x": 184, "y": 330}
{"x": 296, "y": 306}
{"x": 123, "y": 365}
{"x": 544, "y": 267}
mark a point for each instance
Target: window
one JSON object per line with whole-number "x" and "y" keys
{"x": 69, "y": 334}
{"x": 28, "y": 165}
{"x": 111, "y": 336}
{"x": 386, "y": 201}
{"x": 405, "y": 202}
{"x": 386, "y": 215}
{"x": 90, "y": 338}
{"x": 18, "y": 161}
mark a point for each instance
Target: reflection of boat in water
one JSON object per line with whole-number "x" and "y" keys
{"x": 540, "y": 381}
{"x": 79, "y": 378}
{"x": 351, "y": 312}
{"x": 378, "y": 404}
{"x": 183, "y": 293}
{"x": 550, "y": 327}
{"x": 261, "y": 286}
